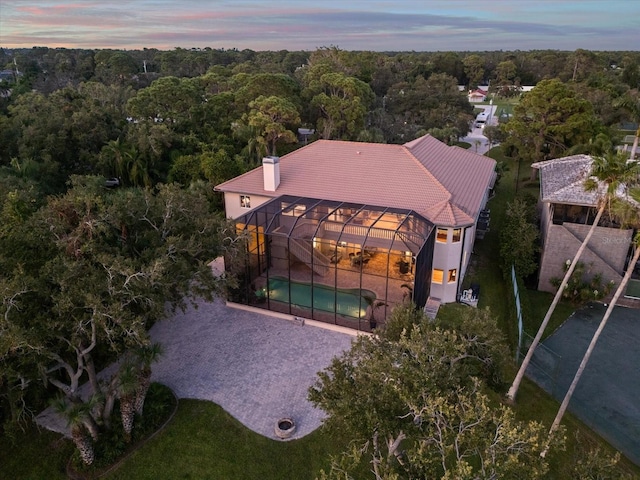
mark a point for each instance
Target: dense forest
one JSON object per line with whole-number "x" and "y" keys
{"x": 148, "y": 116}
{"x": 85, "y": 270}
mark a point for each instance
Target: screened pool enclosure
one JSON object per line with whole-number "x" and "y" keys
{"x": 343, "y": 263}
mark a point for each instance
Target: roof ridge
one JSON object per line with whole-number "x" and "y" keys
{"x": 426, "y": 170}
{"x": 580, "y": 157}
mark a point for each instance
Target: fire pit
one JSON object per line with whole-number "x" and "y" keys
{"x": 285, "y": 427}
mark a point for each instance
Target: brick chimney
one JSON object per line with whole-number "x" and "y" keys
{"x": 271, "y": 173}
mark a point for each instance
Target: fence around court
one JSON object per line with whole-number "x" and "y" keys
{"x": 548, "y": 370}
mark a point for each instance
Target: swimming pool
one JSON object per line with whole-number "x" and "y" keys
{"x": 348, "y": 302}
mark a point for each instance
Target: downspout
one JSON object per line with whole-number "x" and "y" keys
{"x": 463, "y": 239}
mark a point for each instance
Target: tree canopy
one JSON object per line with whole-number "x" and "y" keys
{"x": 549, "y": 120}
{"x": 416, "y": 400}
{"x": 91, "y": 271}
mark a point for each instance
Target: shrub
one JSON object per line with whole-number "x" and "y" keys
{"x": 582, "y": 287}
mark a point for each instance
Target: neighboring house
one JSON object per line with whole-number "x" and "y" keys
{"x": 305, "y": 135}
{"x": 7, "y": 75}
{"x": 477, "y": 95}
{"x": 377, "y": 221}
{"x": 567, "y": 212}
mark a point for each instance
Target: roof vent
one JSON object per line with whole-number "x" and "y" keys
{"x": 271, "y": 173}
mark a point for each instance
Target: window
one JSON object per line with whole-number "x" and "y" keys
{"x": 441, "y": 235}
{"x": 437, "y": 275}
{"x": 452, "y": 275}
{"x": 245, "y": 201}
{"x": 457, "y": 234}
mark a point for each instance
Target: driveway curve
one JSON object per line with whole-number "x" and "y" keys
{"x": 257, "y": 367}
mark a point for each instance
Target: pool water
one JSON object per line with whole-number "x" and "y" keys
{"x": 347, "y": 302}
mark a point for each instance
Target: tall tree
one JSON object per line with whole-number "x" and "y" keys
{"x": 519, "y": 250}
{"x": 549, "y": 120}
{"x": 342, "y": 103}
{"x": 474, "y": 69}
{"x": 608, "y": 174}
{"x": 250, "y": 87}
{"x": 109, "y": 264}
{"x": 632, "y": 105}
{"x": 175, "y": 102}
{"x": 270, "y": 116}
{"x": 506, "y": 73}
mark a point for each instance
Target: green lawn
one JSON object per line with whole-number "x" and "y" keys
{"x": 34, "y": 455}
{"x": 504, "y": 105}
{"x": 205, "y": 442}
{"x": 201, "y": 442}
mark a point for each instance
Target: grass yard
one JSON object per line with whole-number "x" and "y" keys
{"x": 201, "y": 442}
{"x": 34, "y": 455}
{"x": 205, "y": 442}
{"x": 503, "y": 105}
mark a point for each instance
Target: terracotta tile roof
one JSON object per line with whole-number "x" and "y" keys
{"x": 444, "y": 184}
{"x": 464, "y": 173}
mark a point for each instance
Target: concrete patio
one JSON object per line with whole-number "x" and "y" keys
{"x": 257, "y": 367}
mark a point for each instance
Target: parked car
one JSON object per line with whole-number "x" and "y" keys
{"x": 112, "y": 182}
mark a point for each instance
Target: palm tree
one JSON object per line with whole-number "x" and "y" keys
{"x": 147, "y": 355}
{"x": 635, "y": 221}
{"x": 613, "y": 172}
{"x": 76, "y": 415}
{"x": 128, "y": 382}
{"x": 373, "y": 306}
{"x": 632, "y": 106}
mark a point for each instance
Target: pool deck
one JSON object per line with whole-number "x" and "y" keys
{"x": 257, "y": 367}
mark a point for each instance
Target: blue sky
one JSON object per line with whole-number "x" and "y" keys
{"x": 401, "y": 25}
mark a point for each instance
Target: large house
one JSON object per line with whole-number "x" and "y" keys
{"x": 342, "y": 231}
{"x": 567, "y": 211}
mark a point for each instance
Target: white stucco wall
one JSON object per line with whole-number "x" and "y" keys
{"x": 446, "y": 256}
{"x": 232, "y": 205}
{"x": 469, "y": 240}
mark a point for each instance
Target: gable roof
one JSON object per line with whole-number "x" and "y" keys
{"x": 444, "y": 184}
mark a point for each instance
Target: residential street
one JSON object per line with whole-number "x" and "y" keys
{"x": 479, "y": 143}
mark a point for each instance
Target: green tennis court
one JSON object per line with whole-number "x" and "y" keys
{"x": 607, "y": 397}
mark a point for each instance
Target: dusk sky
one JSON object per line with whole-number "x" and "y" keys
{"x": 390, "y": 25}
